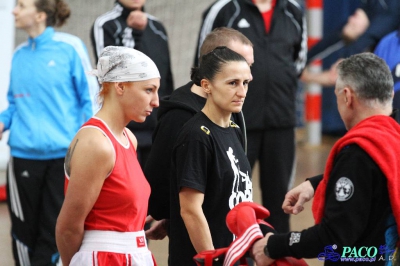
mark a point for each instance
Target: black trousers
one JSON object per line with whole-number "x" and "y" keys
{"x": 35, "y": 194}
{"x": 275, "y": 151}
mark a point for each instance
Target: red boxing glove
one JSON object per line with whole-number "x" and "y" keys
{"x": 232, "y": 216}
{"x": 242, "y": 221}
{"x": 210, "y": 257}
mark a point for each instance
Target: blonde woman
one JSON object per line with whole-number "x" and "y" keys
{"x": 101, "y": 221}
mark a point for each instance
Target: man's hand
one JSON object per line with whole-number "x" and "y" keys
{"x": 356, "y": 25}
{"x": 137, "y": 20}
{"x": 158, "y": 230}
{"x": 296, "y": 197}
{"x": 257, "y": 251}
{"x": 325, "y": 78}
{"x": 332, "y": 73}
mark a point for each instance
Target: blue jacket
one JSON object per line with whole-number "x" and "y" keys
{"x": 389, "y": 50}
{"x": 48, "y": 98}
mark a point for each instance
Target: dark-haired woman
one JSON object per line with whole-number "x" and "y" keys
{"x": 211, "y": 173}
{"x": 48, "y": 101}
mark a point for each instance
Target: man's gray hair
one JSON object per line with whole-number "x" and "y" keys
{"x": 369, "y": 76}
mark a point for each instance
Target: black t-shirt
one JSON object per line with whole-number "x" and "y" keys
{"x": 357, "y": 213}
{"x": 158, "y": 166}
{"x": 210, "y": 159}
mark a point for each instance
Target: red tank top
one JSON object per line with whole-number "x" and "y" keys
{"x": 123, "y": 200}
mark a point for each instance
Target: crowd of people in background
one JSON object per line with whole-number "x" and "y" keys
{"x": 119, "y": 147}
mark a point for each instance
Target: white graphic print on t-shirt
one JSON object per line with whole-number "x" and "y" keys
{"x": 237, "y": 195}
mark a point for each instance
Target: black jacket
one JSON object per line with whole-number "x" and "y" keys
{"x": 173, "y": 113}
{"x": 361, "y": 221}
{"x": 279, "y": 57}
{"x": 111, "y": 29}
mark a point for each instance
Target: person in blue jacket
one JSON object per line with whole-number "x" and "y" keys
{"x": 389, "y": 50}
{"x": 48, "y": 100}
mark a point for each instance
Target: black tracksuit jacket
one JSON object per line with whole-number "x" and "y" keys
{"x": 279, "y": 57}
{"x": 111, "y": 29}
{"x": 360, "y": 222}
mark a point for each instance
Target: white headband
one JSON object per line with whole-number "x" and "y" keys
{"x": 120, "y": 64}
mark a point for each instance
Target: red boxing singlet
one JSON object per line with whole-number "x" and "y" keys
{"x": 123, "y": 201}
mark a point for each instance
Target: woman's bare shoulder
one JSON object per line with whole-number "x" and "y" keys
{"x": 90, "y": 148}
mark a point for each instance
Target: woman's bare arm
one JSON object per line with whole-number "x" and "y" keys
{"x": 191, "y": 201}
{"x": 89, "y": 160}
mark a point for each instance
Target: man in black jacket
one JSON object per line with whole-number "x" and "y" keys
{"x": 356, "y": 205}
{"x": 128, "y": 25}
{"x": 277, "y": 30}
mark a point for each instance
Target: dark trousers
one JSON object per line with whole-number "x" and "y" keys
{"x": 275, "y": 151}
{"x": 35, "y": 194}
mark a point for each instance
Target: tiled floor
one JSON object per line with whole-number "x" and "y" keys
{"x": 310, "y": 161}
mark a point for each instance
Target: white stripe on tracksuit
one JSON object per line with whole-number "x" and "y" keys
{"x": 209, "y": 21}
{"x": 23, "y": 254}
{"x": 16, "y": 208}
{"x": 14, "y": 195}
{"x": 98, "y": 27}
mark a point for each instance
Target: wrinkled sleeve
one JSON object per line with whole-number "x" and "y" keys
{"x": 344, "y": 222}
{"x": 7, "y": 115}
{"x": 81, "y": 87}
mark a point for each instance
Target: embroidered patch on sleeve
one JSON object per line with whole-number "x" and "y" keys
{"x": 294, "y": 238}
{"x": 344, "y": 189}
